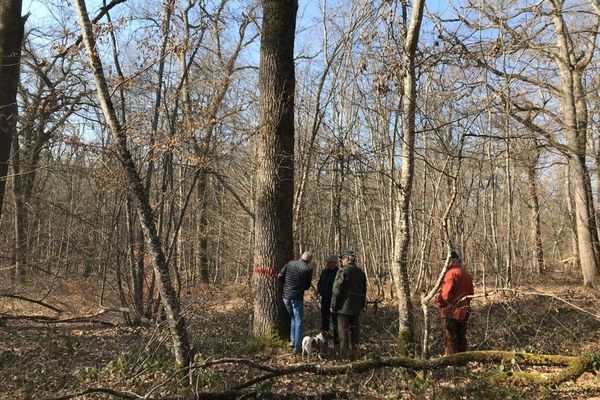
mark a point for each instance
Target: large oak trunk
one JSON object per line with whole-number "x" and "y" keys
{"x": 275, "y": 164}
{"x": 11, "y": 38}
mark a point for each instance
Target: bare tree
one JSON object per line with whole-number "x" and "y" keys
{"x": 555, "y": 36}
{"x": 402, "y": 225}
{"x": 170, "y": 302}
{"x": 48, "y": 100}
{"x": 575, "y": 113}
{"x": 534, "y": 206}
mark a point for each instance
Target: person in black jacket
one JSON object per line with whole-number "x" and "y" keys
{"x": 296, "y": 277}
{"x": 324, "y": 287}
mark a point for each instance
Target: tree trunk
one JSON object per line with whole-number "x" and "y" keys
{"x": 596, "y": 153}
{"x": 536, "y": 228}
{"x": 25, "y": 163}
{"x": 170, "y": 302}
{"x": 12, "y": 27}
{"x": 571, "y": 213}
{"x": 136, "y": 261}
{"x": 582, "y": 124}
{"x": 587, "y": 255}
{"x": 574, "y": 111}
{"x": 508, "y": 270}
{"x": 21, "y": 214}
{"x": 275, "y": 160}
{"x": 203, "y": 227}
{"x": 406, "y": 327}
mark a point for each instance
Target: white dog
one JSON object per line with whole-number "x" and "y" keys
{"x": 311, "y": 345}
{"x": 321, "y": 341}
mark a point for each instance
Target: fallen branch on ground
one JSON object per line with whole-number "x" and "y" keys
{"x": 41, "y": 303}
{"x": 53, "y": 320}
{"x": 573, "y": 368}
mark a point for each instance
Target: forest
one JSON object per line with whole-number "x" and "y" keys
{"x": 162, "y": 161}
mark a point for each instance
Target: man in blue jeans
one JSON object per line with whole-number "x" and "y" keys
{"x": 296, "y": 277}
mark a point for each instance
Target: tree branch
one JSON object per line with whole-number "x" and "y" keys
{"x": 41, "y": 303}
{"x": 101, "y": 14}
{"x": 52, "y": 320}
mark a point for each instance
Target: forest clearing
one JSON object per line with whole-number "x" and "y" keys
{"x": 196, "y": 195}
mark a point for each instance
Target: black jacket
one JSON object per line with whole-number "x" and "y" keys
{"x": 296, "y": 277}
{"x": 325, "y": 284}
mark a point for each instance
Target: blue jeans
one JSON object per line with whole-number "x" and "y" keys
{"x": 295, "y": 308}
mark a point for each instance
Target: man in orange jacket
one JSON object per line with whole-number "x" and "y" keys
{"x": 454, "y": 305}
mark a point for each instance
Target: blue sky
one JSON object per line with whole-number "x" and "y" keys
{"x": 308, "y": 9}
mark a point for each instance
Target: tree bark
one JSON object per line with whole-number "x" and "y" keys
{"x": 136, "y": 260}
{"x": 536, "y": 226}
{"x": 34, "y": 135}
{"x": 574, "y": 111}
{"x": 203, "y": 227}
{"x": 21, "y": 212}
{"x": 175, "y": 320}
{"x": 275, "y": 160}
{"x": 402, "y": 241}
{"x": 12, "y": 26}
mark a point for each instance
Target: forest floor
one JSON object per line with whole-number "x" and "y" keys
{"x": 46, "y": 359}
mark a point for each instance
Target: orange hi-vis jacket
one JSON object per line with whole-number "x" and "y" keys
{"x": 456, "y": 285}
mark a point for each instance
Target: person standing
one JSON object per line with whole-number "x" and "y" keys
{"x": 454, "y": 305}
{"x": 296, "y": 276}
{"x": 348, "y": 298}
{"x": 325, "y": 288}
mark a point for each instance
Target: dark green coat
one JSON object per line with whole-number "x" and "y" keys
{"x": 349, "y": 291}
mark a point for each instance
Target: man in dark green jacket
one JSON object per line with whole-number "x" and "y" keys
{"x": 348, "y": 300}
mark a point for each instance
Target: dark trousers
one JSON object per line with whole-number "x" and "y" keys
{"x": 455, "y": 336}
{"x": 349, "y": 329}
{"x": 326, "y": 318}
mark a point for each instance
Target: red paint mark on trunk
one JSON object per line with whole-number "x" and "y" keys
{"x": 264, "y": 271}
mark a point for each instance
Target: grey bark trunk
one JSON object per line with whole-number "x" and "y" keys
{"x": 574, "y": 116}
{"x": 136, "y": 261}
{"x": 571, "y": 212}
{"x": 175, "y": 320}
{"x": 402, "y": 242}
{"x": 203, "y": 227}
{"x": 509, "y": 215}
{"x": 21, "y": 213}
{"x": 536, "y": 227}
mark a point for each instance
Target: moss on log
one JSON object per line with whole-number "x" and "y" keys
{"x": 574, "y": 366}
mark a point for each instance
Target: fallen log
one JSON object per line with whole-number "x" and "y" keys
{"x": 53, "y": 320}
{"x": 573, "y": 368}
{"x": 39, "y": 302}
